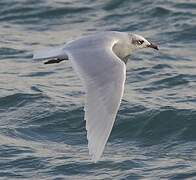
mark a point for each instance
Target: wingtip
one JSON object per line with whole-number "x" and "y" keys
{"x": 93, "y": 151}
{"x": 95, "y": 158}
{"x": 95, "y": 161}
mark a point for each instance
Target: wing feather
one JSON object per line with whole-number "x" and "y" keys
{"x": 103, "y": 75}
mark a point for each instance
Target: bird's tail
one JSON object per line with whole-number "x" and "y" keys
{"x": 52, "y": 55}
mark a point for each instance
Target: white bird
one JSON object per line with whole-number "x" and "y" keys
{"x": 100, "y": 61}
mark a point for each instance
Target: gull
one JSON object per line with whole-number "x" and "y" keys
{"x": 100, "y": 62}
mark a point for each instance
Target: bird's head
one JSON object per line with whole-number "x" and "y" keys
{"x": 126, "y": 46}
{"x": 139, "y": 42}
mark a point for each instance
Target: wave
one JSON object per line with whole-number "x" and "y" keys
{"x": 17, "y": 100}
{"x": 157, "y": 126}
{"x": 11, "y": 53}
{"x": 24, "y": 13}
{"x": 134, "y": 123}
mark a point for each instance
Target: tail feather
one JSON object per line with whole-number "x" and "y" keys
{"x": 50, "y": 53}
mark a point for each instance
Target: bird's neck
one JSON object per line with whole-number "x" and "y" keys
{"x": 122, "y": 50}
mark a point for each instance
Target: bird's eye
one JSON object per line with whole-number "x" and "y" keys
{"x": 140, "y": 42}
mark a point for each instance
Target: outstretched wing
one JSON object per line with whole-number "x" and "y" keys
{"x": 103, "y": 75}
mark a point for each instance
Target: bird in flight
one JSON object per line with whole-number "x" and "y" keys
{"x": 100, "y": 62}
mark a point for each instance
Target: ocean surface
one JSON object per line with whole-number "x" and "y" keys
{"x": 42, "y": 131}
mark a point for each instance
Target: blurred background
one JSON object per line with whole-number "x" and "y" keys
{"x": 42, "y": 131}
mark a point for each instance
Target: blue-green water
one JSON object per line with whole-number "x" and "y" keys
{"x": 42, "y": 131}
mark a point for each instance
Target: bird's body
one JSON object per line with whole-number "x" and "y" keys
{"x": 107, "y": 39}
{"x": 99, "y": 60}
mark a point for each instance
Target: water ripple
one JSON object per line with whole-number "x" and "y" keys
{"x": 42, "y": 131}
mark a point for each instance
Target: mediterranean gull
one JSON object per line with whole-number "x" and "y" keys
{"x": 100, "y": 62}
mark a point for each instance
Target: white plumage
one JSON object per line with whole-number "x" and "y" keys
{"x": 98, "y": 60}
